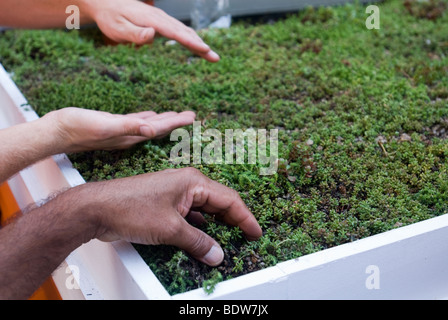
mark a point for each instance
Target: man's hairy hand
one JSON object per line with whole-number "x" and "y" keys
{"x": 154, "y": 209}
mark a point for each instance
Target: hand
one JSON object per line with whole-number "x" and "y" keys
{"x": 137, "y": 22}
{"x": 153, "y": 208}
{"x": 83, "y": 130}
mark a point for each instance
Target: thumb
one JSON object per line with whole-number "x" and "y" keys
{"x": 140, "y": 35}
{"x": 124, "y": 126}
{"x": 198, "y": 244}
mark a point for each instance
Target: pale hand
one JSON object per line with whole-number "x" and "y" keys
{"x": 134, "y": 21}
{"x": 84, "y": 130}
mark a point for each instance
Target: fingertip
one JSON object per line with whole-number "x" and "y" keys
{"x": 212, "y": 56}
{"x": 191, "y": 114}
{"x": 255, "y": 234}
{"x": 214, "y": 256}
{"x": 251, "y": 228}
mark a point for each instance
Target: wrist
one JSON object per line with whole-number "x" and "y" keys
{"x": 87, "y": 9}
{"x": 92, "y": 9}
{"x": 51, "y": 127}
{"x": 84, "y": 210}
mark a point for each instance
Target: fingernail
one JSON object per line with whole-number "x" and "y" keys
{"x": 214, "y": 257}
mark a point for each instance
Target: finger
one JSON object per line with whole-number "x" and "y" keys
{"x": 118, "y": 126}
{"x": 227, "y": 205}
{"x": 171, "y": 114}
{"x": 210, "y": 56}
{"x": 172, "y": 28}
{"x": 195, "y": 44}
{"x": 164, "y": 115}
{"x": 142, "y": 115}
{"x": 155, "y": 128}
{"x": 126, "y": 142}
{"x": 158, "y": 116}
{"x": 198, "y": 244}
{"x": 139, "y": 35}
{"x": 146, "y": 115}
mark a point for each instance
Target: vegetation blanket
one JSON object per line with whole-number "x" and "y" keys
{"x": 362, "y": 119}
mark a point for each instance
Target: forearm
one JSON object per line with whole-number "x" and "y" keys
{"x": 39, "y": 13}
{"x": 25, "y": 144}
{"x": 35, "y": 244}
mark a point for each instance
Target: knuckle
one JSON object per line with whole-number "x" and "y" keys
{"x": 172, "y": 229}
{"x": 234, "y": 195}
{"x": 191, "y": 30}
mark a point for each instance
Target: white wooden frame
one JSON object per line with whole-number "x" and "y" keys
{"x": 406, "y": 263}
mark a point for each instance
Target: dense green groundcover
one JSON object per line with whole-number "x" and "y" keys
{"x": 362, "y": 118}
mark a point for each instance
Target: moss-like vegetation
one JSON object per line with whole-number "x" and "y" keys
{"x": 362, "y": 118}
